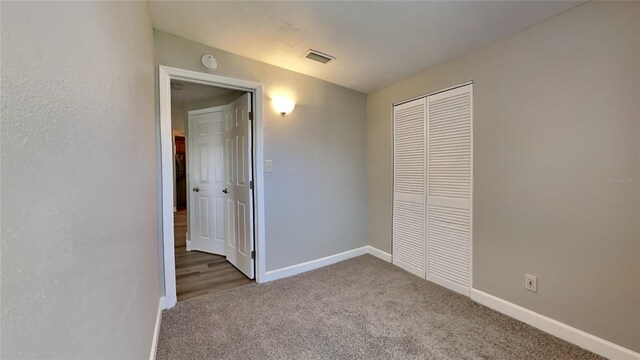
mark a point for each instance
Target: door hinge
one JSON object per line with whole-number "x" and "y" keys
{"x": 253, "y": 254}
{"x": 251, "y": 184}
{"x": 250, "y": 115}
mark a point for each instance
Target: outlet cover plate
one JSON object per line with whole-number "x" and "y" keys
{"x": 531, "y": 282}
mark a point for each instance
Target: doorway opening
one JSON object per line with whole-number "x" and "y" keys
{"x": 212, "y": 208}
{"x": 212, "y": 180}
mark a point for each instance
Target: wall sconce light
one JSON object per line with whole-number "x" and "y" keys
{"x": 283, "y": 105}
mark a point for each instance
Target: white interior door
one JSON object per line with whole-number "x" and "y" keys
{"x": 239, "y": 224}
{"x": 205, "y": 138}
{"x": 449, "y": 188}
{"x": 409, "y": 186}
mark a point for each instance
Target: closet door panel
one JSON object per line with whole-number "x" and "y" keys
{"x": 409, "y": 186}
{"x": 449, "y": 188}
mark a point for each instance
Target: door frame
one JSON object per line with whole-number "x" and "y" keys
{"x": 165, "y": 75}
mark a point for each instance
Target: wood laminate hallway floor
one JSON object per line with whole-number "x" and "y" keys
{"x": 199, "y": 273}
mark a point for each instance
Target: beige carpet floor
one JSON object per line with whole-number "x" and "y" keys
{"x": 363, "y": 308}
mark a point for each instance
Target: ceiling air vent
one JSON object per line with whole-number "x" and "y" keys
{"x": 318, "y": 56}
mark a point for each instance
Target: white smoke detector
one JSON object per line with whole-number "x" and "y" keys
{"x": 209, "y": 62}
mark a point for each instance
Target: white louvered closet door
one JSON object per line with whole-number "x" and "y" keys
{"x": 449, "y": 188}
{"x": 409, "y": 186}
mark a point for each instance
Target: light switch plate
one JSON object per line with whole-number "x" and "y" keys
{"x": 268, "y": 166}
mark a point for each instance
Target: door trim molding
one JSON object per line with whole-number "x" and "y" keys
{"x": 165, "y": 75}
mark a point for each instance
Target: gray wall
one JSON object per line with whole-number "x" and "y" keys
{"x": 556, "y": 117}
{"x": 180, "y": 110}
{"x": 177, "y": 116}
{"x": 315, "y": 198}
{"x": 210, "y": 102}
{"x": 79, "y": 239}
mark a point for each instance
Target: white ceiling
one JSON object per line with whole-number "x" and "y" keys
{"x": 375, "y": 43}
{"x": 194, "y": 92}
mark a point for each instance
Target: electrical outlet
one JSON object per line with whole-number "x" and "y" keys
{"x": 530, "y": 282}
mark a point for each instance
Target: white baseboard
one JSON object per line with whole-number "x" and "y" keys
{"x": 448, "y": 284}
{"x": 563, "y": 331}
{"x": 313, "y": 264}
{"x": 156, "y": 330}
{"x": 322, "y": 262}
{"x": 187, "y": 243}
{"x": 379, "y": 253}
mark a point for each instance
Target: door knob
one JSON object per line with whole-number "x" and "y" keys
{"x": 196, "y": 189}
{"x": 225, "y": 191}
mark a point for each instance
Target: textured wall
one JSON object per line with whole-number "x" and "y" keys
{"x": 79, "y": 240}
{"x": 315, "y": 198}
{"x": 556, "y": 112}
